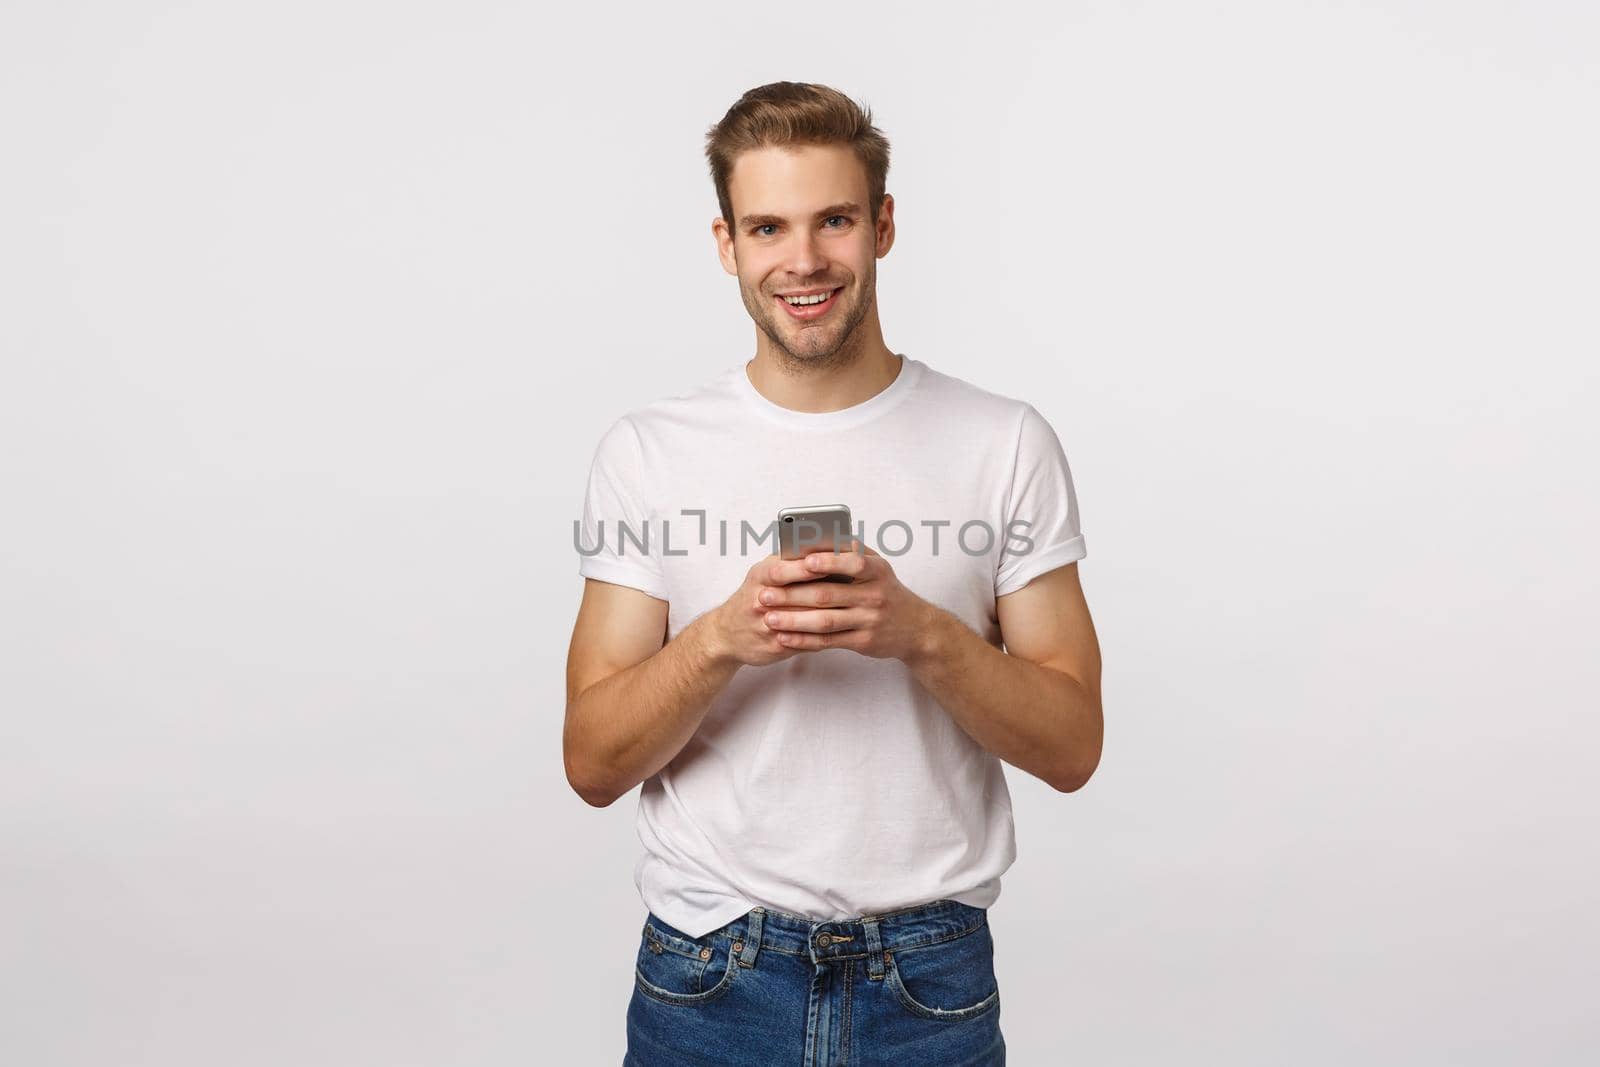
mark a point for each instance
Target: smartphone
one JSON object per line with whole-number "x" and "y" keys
{"x": 815, "y": 528}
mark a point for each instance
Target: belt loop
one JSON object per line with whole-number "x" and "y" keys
{"x": 874, "y": 950}
{"x": 752, "y": 938}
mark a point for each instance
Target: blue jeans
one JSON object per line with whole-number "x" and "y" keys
{"x": 911, "y": 988}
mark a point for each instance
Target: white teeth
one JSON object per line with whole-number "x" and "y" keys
{"x": 802, "y": 301}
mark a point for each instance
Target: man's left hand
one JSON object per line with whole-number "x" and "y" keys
{"x": 874, "y": 614}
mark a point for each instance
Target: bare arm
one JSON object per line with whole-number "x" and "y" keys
{"x": 633, "y": 701}
{"x": 1036, "y": 705}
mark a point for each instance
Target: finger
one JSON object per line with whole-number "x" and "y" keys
{"x": 811, "y": 594}
{"x": 788, "y": 571}
{"x": 815, "y": 621}
{"x": 813, "y": 642}
{"x": 851, "y": 563}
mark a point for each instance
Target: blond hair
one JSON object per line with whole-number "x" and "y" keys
{"x": 788, "y": 113}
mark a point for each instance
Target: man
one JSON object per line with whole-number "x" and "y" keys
{"x": 824, "y": 815}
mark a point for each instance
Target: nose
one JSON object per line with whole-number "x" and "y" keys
{"x": 805, "y": 255}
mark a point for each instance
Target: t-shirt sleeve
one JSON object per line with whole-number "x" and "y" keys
{"x": 616, "y": 519}
{"x": 1040, "y": 529}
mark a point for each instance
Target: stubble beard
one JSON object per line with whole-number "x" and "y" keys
{"x": 843, "y": 351}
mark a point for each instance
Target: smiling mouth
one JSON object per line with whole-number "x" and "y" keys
{"x": 809, "y": 305}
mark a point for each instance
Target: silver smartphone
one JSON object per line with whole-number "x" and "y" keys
{"x": 815, "y": 528}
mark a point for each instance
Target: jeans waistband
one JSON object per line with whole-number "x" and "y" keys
{"x": 864, "y": 937}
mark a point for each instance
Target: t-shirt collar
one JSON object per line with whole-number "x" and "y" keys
{"x": 844, "y": 418}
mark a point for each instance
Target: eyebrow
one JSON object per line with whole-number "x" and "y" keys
{"x": 747, "y": 222}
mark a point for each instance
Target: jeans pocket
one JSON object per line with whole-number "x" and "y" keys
{"x": 674, "y": 968}
{"x": 949, "y": 980}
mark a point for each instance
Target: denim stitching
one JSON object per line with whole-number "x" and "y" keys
{"x": 667, "y": 996}
{"x": 952, "y": 1015}
{"x": 768, "y": 946}
{"x": 892, "y": 975}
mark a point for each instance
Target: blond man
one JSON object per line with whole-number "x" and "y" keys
{"x": 820, "y": 740}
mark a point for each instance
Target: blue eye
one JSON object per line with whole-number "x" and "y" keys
{"x": 768, "y": 226}
{"x": 841, "y": 218}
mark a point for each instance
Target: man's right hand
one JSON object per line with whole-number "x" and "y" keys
{"x": 738, "y": 626}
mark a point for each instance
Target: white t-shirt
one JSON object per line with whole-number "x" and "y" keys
{"x": 829, "y": 785}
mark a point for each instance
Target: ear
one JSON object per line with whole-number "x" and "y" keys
{"x": 724, "y": 238}
{"x": 885, "y": 230}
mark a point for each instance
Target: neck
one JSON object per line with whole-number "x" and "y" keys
{"x": 862, "y": 368}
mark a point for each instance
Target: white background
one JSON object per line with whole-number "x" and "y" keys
{"x": 313, "y": 314}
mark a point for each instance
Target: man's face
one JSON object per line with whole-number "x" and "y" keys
{"x": 803, "y": 233}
